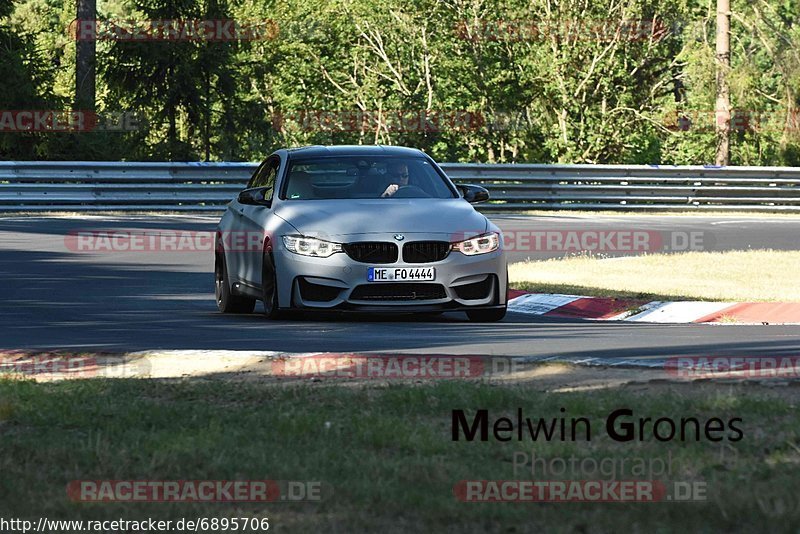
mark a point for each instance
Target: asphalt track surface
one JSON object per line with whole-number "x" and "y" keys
{"x": 54, "y": 298}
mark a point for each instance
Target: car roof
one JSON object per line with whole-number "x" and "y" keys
{"x": 353, "y": 150}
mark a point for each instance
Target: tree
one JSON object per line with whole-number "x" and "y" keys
{"x": 24, "y": 85}
{"x": 183, "y": 85}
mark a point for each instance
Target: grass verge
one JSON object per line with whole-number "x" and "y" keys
{"x": 665, "y": 213}
{"x": 743, "y": 276}
{"x": 386, "y": 453}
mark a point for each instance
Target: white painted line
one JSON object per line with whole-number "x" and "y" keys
{"x": 679, "y": 312}
{"x": 627, "y": 314}
{"x": 538, "y": 304}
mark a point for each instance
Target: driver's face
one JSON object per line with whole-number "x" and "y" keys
{"x": 400, "y": 173}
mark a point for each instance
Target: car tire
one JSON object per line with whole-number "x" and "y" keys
{"x": 227, "y": 302}
{"x": 269, "y": 288}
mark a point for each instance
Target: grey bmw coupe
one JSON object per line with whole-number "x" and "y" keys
{"x": 363, "y": 228}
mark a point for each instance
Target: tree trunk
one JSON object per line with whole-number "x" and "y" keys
{"x": 207, "y": 128}
{"x": 723, "y": 107}
{"x": 85, "y": 54}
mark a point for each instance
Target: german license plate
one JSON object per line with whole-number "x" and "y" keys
{"x": 400, "y": 274}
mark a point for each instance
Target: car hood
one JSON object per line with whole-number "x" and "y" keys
{"x": 339, "y": 218}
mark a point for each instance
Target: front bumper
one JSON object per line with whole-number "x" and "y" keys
{"x": 340, "y": 283}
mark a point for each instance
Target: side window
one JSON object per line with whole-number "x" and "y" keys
{"x": 269, "y": 177}
{"x": 265, "y": 176}
{"x": 253, "y": 179}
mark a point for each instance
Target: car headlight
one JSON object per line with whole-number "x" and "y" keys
{"x": 310, "y": 246}
{"x": 483, "y": 244}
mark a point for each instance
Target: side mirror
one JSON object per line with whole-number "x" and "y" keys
{"x": 254, "y": 197}
{"x": 473, "y": 193}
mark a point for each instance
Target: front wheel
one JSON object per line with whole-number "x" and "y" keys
{"x": 227, "y": 302}
{"x": 269, "y": 288}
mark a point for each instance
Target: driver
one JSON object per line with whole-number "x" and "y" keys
{"x": 398, "y": 173}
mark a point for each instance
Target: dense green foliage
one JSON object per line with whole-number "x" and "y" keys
{"x": 565, "y": 81}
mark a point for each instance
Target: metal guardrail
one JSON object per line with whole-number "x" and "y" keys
{"x": 124, "y": 186}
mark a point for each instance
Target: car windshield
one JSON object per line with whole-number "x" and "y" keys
{"x": 352, "y": 177}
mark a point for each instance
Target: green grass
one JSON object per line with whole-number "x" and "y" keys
{"x": 589, "y": 291}
{"x": 751, "y": 275}
{"x": 665, "y": 213}
{"x": 385, "y": 453}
